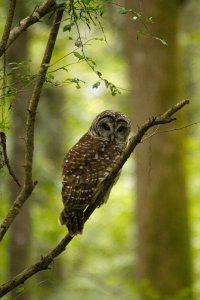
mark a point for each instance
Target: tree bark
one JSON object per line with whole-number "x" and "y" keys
{"x": 163, "y": 254}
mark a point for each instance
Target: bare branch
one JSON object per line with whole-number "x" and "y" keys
{"x": 135, "y": 140}
{"x": 8, "y": 25}
{"x": 30, "y": 124}
{"x": 5, "y": 156}
{"x": 46, "y": 7}
{"x": 44, "y": 263}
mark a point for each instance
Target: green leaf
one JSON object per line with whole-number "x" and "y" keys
{"x": 78, "y": 55}
{"x": 91, "y": 60}
{"x": 107, "y": 84}
{"x": 96, "y": 85}
{"x": 99, "y": 73}
{"x": 68, "y": 27}
{"x": 124, "y": 10}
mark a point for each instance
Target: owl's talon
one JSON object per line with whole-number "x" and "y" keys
{"x": 75, "y": 222}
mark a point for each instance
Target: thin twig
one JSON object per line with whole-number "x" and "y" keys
{"x": 8, "y": 25}
{"x": 45, "y": 261}
{"x": 6, "y": 159}
{"x": 75, "y": 49}
{"x": 179, "y": 128}
{"x": 3, "y": 98}
{"x": 153, "y": 133}
{"x": 30, "y": 125}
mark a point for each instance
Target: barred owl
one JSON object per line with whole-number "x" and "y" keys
{"x": 87, "y": 165}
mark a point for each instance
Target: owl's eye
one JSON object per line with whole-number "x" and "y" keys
{"x": 105, "y": 126}
{"x": 121, "y": 128}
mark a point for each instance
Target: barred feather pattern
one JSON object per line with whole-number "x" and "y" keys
{"x": 85, "y": 168}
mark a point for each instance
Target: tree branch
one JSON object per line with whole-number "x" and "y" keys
{"x": 7, "y": 27}
{"x": 45, "y": 261}
{"x": 30, "y": 125}
{"x": 6, "y": 159}
{"x": 11, "y": 35}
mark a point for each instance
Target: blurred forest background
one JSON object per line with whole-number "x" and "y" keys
{"x": 145, "y": 242}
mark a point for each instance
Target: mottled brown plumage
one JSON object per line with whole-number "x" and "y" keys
{"x": 87, "y": 165}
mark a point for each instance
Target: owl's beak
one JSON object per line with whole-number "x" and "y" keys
{"x": 112, "y": 137}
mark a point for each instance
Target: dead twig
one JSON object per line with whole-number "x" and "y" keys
{"x": 44, "y": 263}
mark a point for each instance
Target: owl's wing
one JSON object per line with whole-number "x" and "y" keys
{"x": 86, "y": 165}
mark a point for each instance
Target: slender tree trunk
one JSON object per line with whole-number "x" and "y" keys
{"x": 162, "y": 206}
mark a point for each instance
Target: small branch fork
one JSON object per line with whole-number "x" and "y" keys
{"x": 44, "y": 263}
{"x": 9, "y": 36}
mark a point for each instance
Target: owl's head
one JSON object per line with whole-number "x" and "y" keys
{"x": 112, "y": 126}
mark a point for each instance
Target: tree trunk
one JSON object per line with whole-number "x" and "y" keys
{"x": 163, "y": 253}
{"x": 20, "y": 233}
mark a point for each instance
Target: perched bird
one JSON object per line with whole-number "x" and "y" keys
{"x": 87, "y": 165}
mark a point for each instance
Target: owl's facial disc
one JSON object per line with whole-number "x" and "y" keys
{"x": 112, "y": 126}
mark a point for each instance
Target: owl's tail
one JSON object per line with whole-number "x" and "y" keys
{"x": 74, "y": 220}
